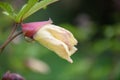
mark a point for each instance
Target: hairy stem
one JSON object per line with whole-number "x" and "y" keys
{"x": 8, "y": 41}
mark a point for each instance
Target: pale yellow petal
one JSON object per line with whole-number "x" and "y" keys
{"x": 63, "y": 35}
{"x": 49, "y": 41}
{"x": 73, "y": 50}
{"x": 70, "y": 60}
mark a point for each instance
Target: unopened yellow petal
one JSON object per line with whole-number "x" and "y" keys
{"x": 70, "y": 60}
{"x": 46, "y": 39}
{"x": 58, "y": 40}
{"x": 63, "y": 35}
{"x": 73, "y": 50}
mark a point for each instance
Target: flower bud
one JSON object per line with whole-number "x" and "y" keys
{"x": 12, "y": 76}
{"x": 55, "y": 38}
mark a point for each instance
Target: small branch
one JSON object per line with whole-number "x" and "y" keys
{"x": 9, "y": 37}
{"x": 13, "y": 30}
{"x": 9, "y": 40}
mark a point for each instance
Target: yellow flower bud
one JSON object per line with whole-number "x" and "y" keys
{"x": 57, "y": 39}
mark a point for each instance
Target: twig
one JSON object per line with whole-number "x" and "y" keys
{"x": 13, "y": 30}
{"x": 9, "y": 37}
{"x": 8, "y": 41}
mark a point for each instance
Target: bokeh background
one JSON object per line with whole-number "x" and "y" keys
{"x": 95, "y": 24}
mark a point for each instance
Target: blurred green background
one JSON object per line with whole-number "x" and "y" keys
{"x": 95, "y": 24}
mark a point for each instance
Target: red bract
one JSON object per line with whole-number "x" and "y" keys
{"x": 29, "y": 29}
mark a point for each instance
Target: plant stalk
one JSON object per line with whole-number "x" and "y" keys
{"x": 8, "y": 41}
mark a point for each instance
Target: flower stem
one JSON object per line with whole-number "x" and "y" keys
{"x": 10, "y": 37}
{"x": 13, "y": 30}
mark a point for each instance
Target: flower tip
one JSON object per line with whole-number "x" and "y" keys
{"x": 70, "y": 60}
{"x": 50, "y": 20}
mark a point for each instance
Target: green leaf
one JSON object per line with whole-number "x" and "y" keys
{"x": 25, "y": 9}
{"x": 8, "y": 10}
{"x": 32, "y": 7}
{"x": 38, "y": 6}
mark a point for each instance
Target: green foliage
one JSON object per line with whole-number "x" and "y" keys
{"x": 37, "y": 6}
{"x": 25, "y": 9}
{"x": 28, "y": 9}
{"x": 8, "y": 9}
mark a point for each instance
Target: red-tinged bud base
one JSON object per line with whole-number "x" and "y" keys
{"x": 29, "y": 29}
